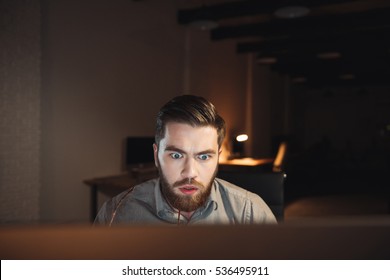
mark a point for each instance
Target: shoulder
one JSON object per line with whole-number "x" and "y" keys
{"x": 140, "y": 191}
{"x": 133, "y": 195}
{"x": 146, "y": 188}
{"x": 256, "y": 209}
{"x": 234, "y": 190}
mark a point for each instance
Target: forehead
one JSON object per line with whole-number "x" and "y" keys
{"x": 187, "y": 135}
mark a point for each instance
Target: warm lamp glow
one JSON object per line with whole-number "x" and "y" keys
{"x": 242, "y": 137}
{"x": 279, "y": 157}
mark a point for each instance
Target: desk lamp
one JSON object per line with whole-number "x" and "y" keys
{"x": 238, "y": 145}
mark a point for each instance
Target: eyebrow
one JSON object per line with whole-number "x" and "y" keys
{"x": 176, "y": 149}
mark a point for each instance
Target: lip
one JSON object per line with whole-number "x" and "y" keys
{"x": 188, "y": 189}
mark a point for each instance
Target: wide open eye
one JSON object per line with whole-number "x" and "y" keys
{"x": 176, "y": 155}
{"x": 204, "y": 157}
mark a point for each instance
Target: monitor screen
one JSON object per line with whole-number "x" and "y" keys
{"x": 139, "y": 150}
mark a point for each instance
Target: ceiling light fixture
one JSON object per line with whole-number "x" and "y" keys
{"x": 290, "y": 12}
{"x": 204, "y": 24}
{"x": 329, "y": 55}
{"x": 204, "y": 19}
{"x": 347, "y": 77}
{"x": 299, "y": 80}
{"x": 267, "y": 60}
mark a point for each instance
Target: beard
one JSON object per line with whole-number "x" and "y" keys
{"x": 186, "y": 203}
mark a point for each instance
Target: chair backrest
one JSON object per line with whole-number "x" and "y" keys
{"x": 269, "y": 186}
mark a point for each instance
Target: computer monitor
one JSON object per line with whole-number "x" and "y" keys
{"x": 139, "y": 151}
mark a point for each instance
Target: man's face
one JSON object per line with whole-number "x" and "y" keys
{"x": 187, "y": 159}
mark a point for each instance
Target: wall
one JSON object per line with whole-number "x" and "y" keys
{"x": 220, "y": 73}
{"x": 19, "y": 111}
{"x": 108, "y": 67}
{"x": 270, "y": 110}
{"x": 81, "y": 76}
{"x": 351, "y": 118}
{"x": 251, "y": 98}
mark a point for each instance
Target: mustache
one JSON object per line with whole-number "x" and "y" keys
{"x": 185, "y": 182}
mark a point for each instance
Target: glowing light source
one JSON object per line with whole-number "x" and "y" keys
{"x": 238, "y": 145}
{"x": 277, "y": 166}
{"x": 242, "y": 137}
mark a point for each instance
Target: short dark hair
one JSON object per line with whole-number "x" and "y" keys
{"x": 192, "y": 110}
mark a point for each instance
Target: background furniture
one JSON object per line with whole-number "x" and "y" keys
{"x": 114, "y": 185}
{"x": 269, "y": 186}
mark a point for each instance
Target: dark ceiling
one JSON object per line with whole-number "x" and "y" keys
{"x": 355, "y": 34}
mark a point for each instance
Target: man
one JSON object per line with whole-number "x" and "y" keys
{"x": 188, "y": 141}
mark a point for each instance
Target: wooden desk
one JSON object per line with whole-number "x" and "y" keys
{"x": 247, "y": 161}
{"x": 113, "y": 185}
{"x": 247, "y": 164}
{"x": 323, "y": 240}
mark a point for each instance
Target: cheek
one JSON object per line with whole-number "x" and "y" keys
{"x": 169, "y": 167}
{"x": 207, "y": 171}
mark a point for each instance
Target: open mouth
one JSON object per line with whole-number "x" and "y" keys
{"x": 188, "y": 190}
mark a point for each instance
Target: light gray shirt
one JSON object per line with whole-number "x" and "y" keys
{"x": 145, "y": 204}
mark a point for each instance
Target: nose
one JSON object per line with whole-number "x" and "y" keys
{"x": 189, "y": 169}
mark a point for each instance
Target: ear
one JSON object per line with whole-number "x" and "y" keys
{"x": 155, "y": 152}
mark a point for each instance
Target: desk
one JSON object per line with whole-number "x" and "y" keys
{"x": 113, "y": 185}
{"x": 323, "y": 240}
{"x": 247, "y": 164}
